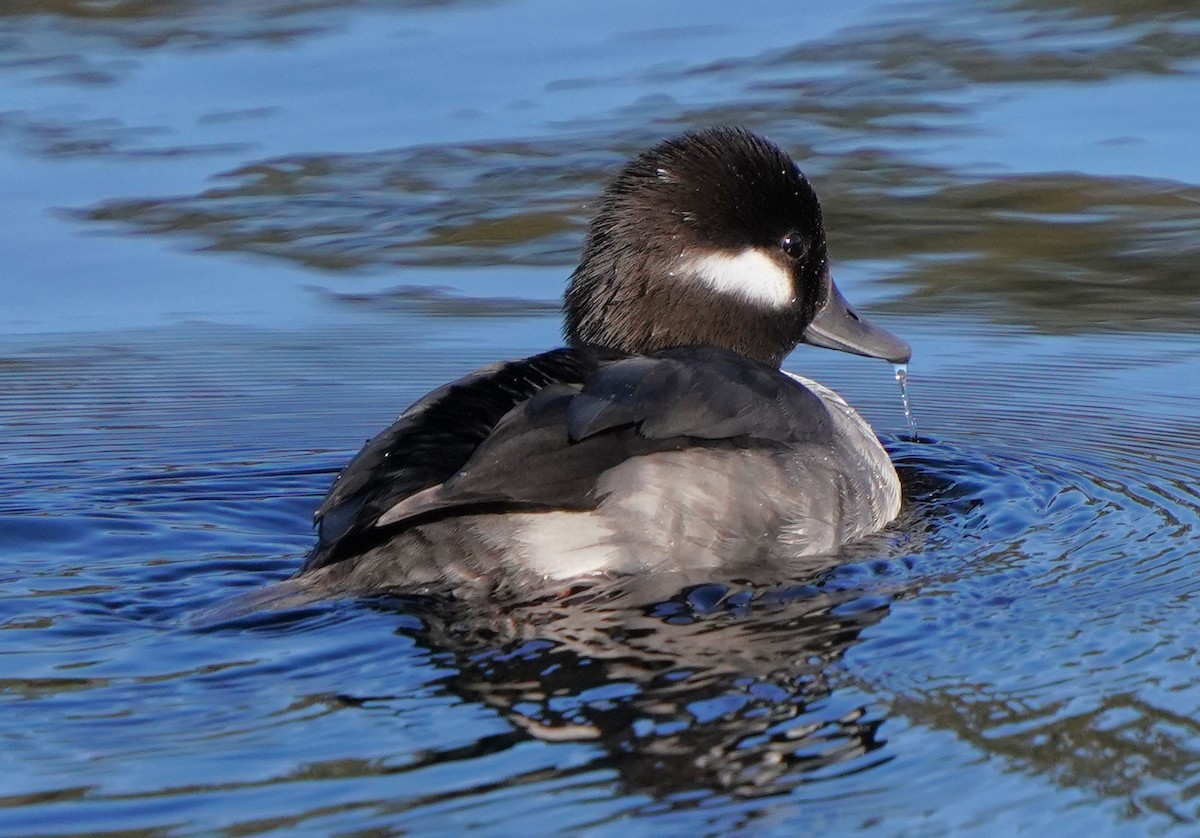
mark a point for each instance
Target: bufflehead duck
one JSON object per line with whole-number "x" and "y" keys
{"x": 664, "y": 435}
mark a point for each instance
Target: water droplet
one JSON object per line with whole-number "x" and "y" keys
{"x": 902, "y": 378}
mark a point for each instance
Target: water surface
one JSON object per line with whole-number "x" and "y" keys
{"x": 240, "y": 237}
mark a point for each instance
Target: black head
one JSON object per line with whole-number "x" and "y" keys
{"x": 712, "y": 238}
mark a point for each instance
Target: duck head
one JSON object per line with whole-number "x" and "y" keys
{"x": 714, "y": 238}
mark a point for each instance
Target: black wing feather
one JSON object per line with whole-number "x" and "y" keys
{"x": 430, "y": 442}
{"x": 540, "y": 432}
{"x": 550, "y": 452}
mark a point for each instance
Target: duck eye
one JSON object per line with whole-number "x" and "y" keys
{"x": 794, "y": 245}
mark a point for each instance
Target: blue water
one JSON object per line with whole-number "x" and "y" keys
{"x": 239, "y": 238}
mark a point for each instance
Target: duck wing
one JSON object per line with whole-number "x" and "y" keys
{"x": 550, "y": 451}
{"x": 429, "y": 443}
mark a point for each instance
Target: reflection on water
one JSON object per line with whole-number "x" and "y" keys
{"x": 1012, "y": 185}
{"x": 720, "y": 688}
{"x": 1054, "y": 252}
{"x": 479, "y": 205}
{"x": 150, "y": 24}
{"x": 1058, "y": 252}
{"x": 1013, "y": 608}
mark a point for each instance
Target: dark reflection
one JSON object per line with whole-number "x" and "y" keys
{"x": 1054, "y": 252}
{"x": 146, "y": 24}
{"x": 104, "y": 138}
{"x": 1115, "y": 12}
{"x": 722, "y": 687}
{"x": 1040, "y": 44}
{"x": 442, "y": 302}
{"x": 72, "y": 41}
{"x": 1121, "y": 748}
{"x": 483, "y": 204}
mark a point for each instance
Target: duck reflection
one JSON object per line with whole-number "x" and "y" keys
{"x": 722, "y": 685}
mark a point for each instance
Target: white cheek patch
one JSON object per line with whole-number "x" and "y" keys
{"x": 752, "y": 275}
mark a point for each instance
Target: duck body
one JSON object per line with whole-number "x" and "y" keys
{"x": 664, "y": 436}
{"x": 580, "y": 461}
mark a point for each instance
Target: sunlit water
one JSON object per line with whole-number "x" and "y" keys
{"x": 239, "y": 238}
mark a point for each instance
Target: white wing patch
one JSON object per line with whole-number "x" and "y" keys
{"x": 752, "y": 275}
{"x": 561, "y": 545}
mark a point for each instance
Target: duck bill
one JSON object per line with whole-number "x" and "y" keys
{"x": 838, "y": 326}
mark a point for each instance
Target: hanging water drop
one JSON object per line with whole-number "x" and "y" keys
{"x": 902, "y": 378}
